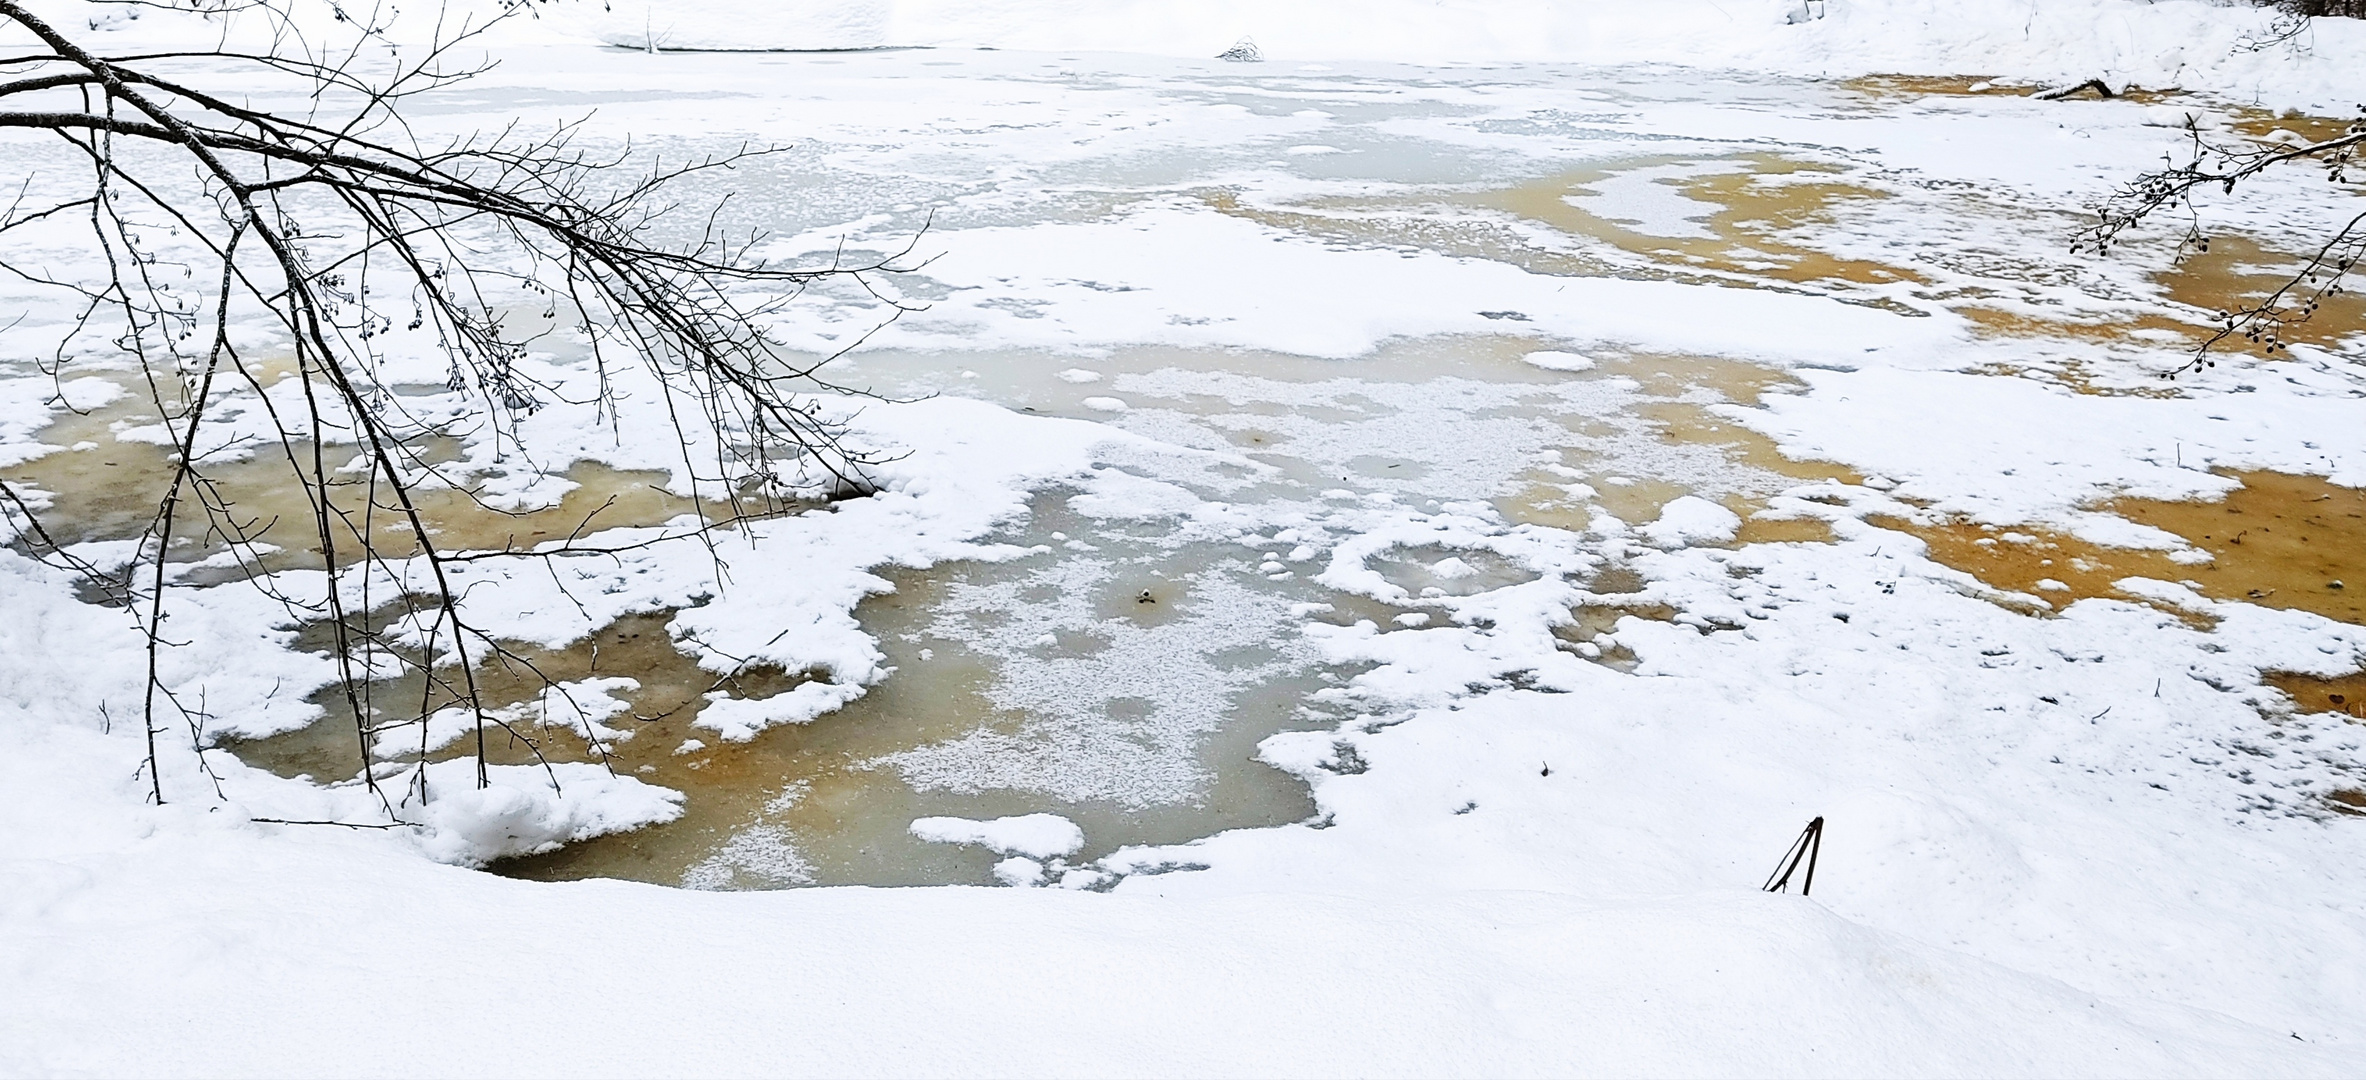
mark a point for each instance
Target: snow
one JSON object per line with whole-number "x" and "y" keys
{"x": 1692, "y": 520}
{"x": 1039, "y": 836}
{"x": 1559, "y": 361}
{"x": 516, "y": 816}
{"x": 889, "y": 981}
{"x": 2009, "y": 450}
{"x": 26, "y": 406}
{"x": 2064, "y": 838}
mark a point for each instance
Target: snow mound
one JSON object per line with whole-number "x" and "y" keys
{"x": 1020, "y": 873}
{"x": 740, "y": 719}
{"x": 1692, "y": 520}
{"x": 1041, "y": 836}
{"x": 527, "y": 810}
{"x": 1559, "y": 361}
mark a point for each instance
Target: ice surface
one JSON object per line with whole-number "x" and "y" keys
{"x": 1647, "y": 201}
{"x": 1114, "y": 707}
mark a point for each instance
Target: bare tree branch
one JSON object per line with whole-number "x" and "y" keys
{"x": 2224, "y": 166}
{"x": 337, "y": 223}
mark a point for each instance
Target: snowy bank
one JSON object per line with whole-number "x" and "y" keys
{"x": 2202, "y": 45}
{"x": 2191, "y": 44}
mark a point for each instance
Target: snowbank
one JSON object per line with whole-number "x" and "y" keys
{"x": 2194, "y": 44}
{"x": 835, "y": 982}
{"x": 527, "y": 810}
{"x": 2191, "y": 44}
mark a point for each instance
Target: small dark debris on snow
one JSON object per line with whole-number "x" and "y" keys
{"x": 1243, "y": 51}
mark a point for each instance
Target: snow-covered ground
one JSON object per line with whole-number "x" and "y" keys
{"x": 1307, "y": 328}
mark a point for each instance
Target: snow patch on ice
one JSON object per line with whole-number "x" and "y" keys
{"x": 757, "y": 857}
{"x": 1691, "y": 519}
{"x": 1559, "y": 361}
{"x": 1037, "y": 836}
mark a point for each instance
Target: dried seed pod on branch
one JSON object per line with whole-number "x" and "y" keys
{"x": 2223, "y": 165}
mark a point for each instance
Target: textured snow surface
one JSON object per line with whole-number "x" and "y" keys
{"x": 2089, "y": 841}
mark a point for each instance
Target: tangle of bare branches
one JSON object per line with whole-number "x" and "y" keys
{"x": 2214, "y": 164}
{"x": 334, "y": 222}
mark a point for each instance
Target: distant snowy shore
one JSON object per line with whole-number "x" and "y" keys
{"x": 2184, "y": 44}
{"x": 2221, "y": 47}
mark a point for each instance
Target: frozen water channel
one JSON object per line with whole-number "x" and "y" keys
{"x": 1123, "y": 671}
{"x": 1366, "y": 567}
{"x": 1392, "y": 348}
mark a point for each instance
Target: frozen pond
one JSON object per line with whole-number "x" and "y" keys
{"x": 1123, "y": 673}
{"x": 1381, "y": 338}
{"x": 1301, "y": 565}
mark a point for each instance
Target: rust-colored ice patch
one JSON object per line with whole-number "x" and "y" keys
{"x": 1679, "y": 392}
{"x": 2279, "y": 541}
{"x": 99, "y": 486}
{"x": 1758, "y": 212}
{"x": 2344, "y": 694}
{"x": 2051, "y": 565}
{"x": 2290, "y": 127}
{"x": 2235, "y": 271}
{"x": 802, "y": 803}
{"x": 1752, "y": 213}
{"x": 1922, "y": 86}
